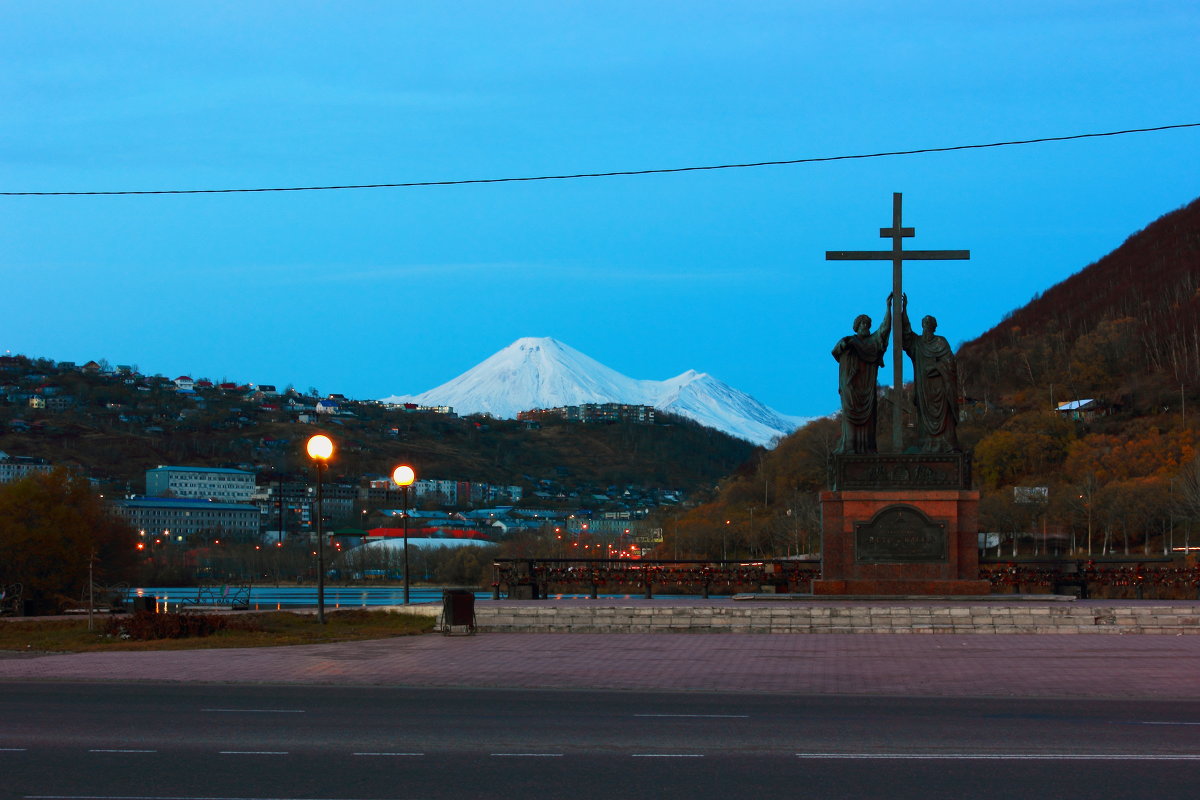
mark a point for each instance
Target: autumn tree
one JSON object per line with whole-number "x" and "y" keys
{"x": 1033, "y": 444}
{"x": 1134, "y": 454}
{"x": 1187, "y": 489}
{"x": 52, "y": 525}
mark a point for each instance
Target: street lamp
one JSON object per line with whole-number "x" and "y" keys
{"x": 403, "y": 476}
{"x": 320, "y": 448}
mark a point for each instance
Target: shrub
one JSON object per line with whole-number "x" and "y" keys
{"x": 144, "y": 625}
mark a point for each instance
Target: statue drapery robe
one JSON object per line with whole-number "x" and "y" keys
{"x": 859, "y": 358}
{"x": 935, "y": 386}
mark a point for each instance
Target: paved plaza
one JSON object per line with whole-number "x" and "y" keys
{"x": 921, "y": 665}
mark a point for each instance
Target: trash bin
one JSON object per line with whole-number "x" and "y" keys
{"x": 458, "y": 610}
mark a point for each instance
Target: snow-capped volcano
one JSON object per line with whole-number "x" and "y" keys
{"x": 545, "y": 373}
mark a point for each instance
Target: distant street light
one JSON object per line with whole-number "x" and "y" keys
{"x": 403, "y": 476}
{"x": 320, "y": 448}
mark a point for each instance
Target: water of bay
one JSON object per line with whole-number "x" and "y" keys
{"x": 274, "y": 598}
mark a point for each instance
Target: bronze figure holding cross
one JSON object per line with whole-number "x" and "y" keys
{"x": 861, "y": 411}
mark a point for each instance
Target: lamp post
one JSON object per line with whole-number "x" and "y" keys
{"x": 320, "y": 448}
{"x": 403, "y": 476}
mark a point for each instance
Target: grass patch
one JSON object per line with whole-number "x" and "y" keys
{"x": 267, "y": 629}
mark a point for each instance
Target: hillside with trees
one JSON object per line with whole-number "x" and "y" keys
{"x": 1125, "y": 329}
{"x": 111, "y": 425}
{"x": 1080, "y": 408}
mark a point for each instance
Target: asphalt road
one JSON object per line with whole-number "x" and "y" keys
{"x": 159, "y": 741}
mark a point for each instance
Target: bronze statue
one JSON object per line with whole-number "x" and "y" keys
{"x": 859, "y": 358}
{"x": 935, "y": 384}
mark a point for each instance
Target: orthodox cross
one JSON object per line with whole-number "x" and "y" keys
{"x": 897, "y": 255}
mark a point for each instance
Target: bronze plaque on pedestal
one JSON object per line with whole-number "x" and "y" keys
{"x": 900, "y": 535}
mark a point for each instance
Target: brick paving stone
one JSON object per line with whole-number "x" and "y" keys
{"x": 846, "y": 657}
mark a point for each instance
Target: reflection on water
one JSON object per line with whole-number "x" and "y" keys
{"x": 274, "y": 598}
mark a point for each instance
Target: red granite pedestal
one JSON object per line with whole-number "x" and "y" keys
{"x": 900, "y": 542}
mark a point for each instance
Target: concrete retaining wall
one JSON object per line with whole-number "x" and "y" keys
{"x": 814, "y": 617}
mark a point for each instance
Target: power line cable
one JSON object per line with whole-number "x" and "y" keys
{"x": 578, "y": 175}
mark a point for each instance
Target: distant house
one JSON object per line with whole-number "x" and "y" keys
{"x": 327, "y": 407}
{"x": 91, "y": 368}
{"x": 54, "y": 403}
{"x": 203, "y": 383}
{"x": 184, "y": 384}
{"x": 1084, "y": 410}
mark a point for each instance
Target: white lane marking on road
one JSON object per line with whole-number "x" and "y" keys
{"x": 667, "y": 755}
{"x": 1166, "y": 723}
{"x": 12, "y": 749}
{"x": 116, "y": 750}
{"x": 699, "y": 716}
{"x": 253, "y": 752}
{"x": 1002, "y": 756}
{"x": 389, "y": 754}
{"x": 526, "y": 755}
{"x": 255, "y": 710}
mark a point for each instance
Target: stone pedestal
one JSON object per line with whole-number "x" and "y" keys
{"x": 903, "y": 537}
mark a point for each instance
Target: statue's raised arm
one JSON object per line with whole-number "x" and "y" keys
{"x": 859, "y": 358}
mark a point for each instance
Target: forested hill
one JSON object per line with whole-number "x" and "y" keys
{"x": 1129, "y": 323}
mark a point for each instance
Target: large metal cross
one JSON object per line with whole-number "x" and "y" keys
{"x": 897, "y": 255}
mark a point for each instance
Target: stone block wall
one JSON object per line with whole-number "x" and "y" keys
{"x": 808, "y": 617}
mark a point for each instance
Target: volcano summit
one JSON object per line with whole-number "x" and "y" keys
{"x": 536, "y": 373}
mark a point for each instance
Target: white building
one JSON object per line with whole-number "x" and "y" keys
{"x": 14, "y": 468}
{"x": 442, "y": 491}
{"x": 203, "y": 483}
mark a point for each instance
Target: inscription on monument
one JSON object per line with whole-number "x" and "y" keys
{"x": 900, "y": 535}
{"x": 902, "y": 471}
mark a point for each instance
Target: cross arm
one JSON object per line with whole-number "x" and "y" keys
{"x": 892, "y": 255}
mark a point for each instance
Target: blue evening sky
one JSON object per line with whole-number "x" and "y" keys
{"x": 392, "y": 291}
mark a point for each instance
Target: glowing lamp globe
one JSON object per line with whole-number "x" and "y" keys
{"x": 320, "y": 447}
{"x": 404, "y": 476}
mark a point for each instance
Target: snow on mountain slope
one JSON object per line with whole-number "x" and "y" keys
{"x": 718, "y": 405}
{"x": 531, "y": 373}
{"x": 545, "y": 373}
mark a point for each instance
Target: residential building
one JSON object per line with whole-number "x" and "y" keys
{"x": 595, "y": 412}
{"x": 182, "y": 519}
{"x": 439, "y": 491}
{"x": 382, "y": 491}
{"x": 211, "y": 483}
{"x": 14, "y": 468}
{"x": 284, "y": 507}
{"x": 51, "y": 403}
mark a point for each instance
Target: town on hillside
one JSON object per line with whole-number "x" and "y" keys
{"x": 234, "y": 473}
